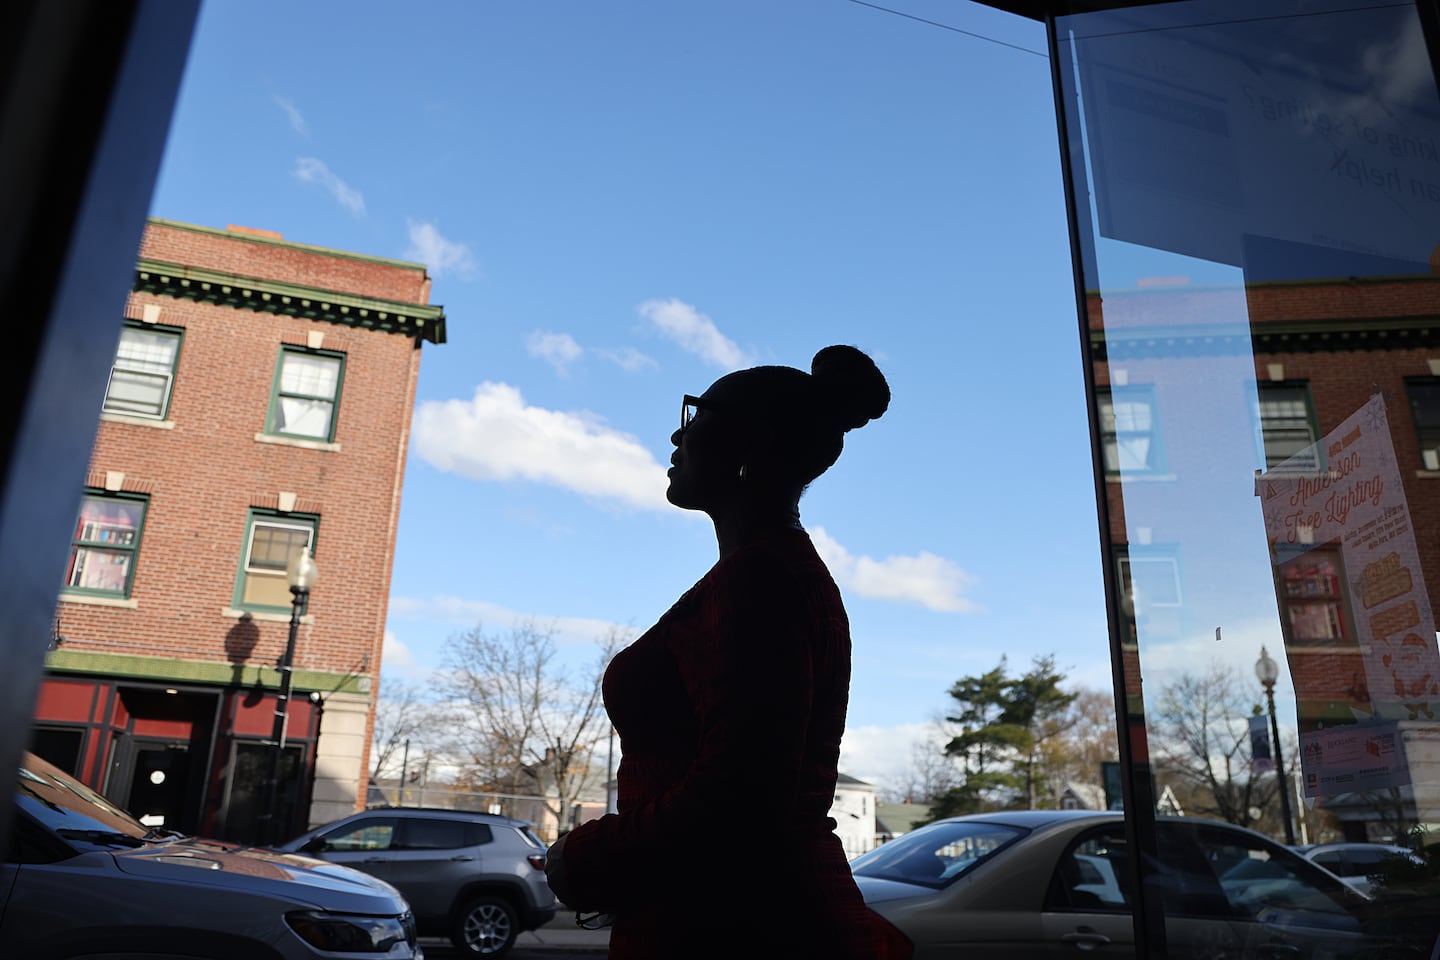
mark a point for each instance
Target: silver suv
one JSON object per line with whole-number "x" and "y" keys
{"x": 83, "y": 878}
{"x": 476, "y": 878}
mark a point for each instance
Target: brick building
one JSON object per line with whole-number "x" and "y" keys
{"x": 1270, "y": 373}
{"x": 259, "y": 404}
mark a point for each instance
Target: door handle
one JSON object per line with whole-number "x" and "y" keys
{"x": 1086, "y": 939}
{"x": 461, "y": 856}
{"x": 1280, "y": 949}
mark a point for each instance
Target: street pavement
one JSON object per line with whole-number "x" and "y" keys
{"x": 558, "y": 939}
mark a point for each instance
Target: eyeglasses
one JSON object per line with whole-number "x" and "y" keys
{"x": 593, "y": 921}
{"x": 689, "y": 407}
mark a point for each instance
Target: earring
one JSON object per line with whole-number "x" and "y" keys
{"x": 742, "y": 471}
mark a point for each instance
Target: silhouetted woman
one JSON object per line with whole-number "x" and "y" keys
{"x": 730, "y": 709}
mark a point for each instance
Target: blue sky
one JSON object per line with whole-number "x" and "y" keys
{"x": 620, "y": 203}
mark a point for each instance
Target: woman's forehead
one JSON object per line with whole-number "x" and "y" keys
{"x": 729, "y": 386}
{"x": 753, "y": 386}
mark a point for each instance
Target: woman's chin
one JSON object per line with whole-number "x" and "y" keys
{"x": 677, "y": 496}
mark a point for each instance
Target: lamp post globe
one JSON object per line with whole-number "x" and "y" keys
{"x": 301, "y": 573}
{"x": 1266, "y": 669}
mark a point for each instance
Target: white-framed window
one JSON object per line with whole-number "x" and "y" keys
{"x": 143, "y": 373}
{"x": 306, "y": 394}
{"x": 271, "y": 541}
{"x": 1129, "y": 430}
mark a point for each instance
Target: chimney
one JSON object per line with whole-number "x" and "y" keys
{"x": 254, "y": 232}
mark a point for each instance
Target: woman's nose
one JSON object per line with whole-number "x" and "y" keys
{"x": 675, "y": 437}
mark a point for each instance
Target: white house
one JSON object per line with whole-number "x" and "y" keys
{"x": 854, "y": 813}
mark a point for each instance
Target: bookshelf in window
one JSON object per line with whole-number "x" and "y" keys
{"x": 1313, "y": 588}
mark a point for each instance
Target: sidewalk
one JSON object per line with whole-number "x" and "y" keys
{"x": 560, "y": 935}
{"x": 566, "y": 936}
{"x": 550, "y": 939}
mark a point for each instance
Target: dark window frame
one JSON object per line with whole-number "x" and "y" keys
{"x": 1427, "y": 435}
{"x": 1312, "y": 586}
{"x": 95, "y": 544}
{"x": 279, "y": 395}
{"x": 247, "y": 568}
{"x": 178, "y": 335}
{"x": 1281, "y": 426}
{"x": 1111, "y": 435}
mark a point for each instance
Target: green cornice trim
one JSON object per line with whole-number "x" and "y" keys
{"x": 196, "y": 671}
{"x": 422, "y": 321}
{"x": 1356, "y": 281}
{"x": 1269, "y": 336}
{"x": 290, "y": 244}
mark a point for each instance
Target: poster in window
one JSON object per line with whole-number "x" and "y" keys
{"x": 1349, "y": 584}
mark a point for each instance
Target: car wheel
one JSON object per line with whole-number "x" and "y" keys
{"x": 485, "y": 927}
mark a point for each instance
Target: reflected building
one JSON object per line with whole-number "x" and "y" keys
{"x": 1350, "y": 524}
{"x": 1253, "y": 195}
{"x": 258, "y": 405}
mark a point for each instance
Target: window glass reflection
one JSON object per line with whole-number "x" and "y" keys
{"x": 1259, "y": 209}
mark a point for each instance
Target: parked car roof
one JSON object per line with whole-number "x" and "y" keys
{"x": 444, "y": 811}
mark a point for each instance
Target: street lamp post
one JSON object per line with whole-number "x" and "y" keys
{"x": 1268, "y": 671}
{"x": 301, "y": 575}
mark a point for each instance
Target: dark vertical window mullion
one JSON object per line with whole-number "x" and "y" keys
{"x": 1132, "y": 739}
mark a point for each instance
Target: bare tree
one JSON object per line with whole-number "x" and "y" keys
{"x": 1202, "y": 737}
{"x": 931, "y": 771}
{"x": 521, "y": 722}
{"x": 1080, "y": 741}
{"x": 401, "y": 714}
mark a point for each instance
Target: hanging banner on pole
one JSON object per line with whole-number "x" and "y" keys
{"x": 1261, "y": 759}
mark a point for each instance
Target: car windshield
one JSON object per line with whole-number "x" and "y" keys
{"x": 934, "y": 855}
{"x": 63, "y": 803}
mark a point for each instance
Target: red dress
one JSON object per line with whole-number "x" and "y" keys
{"x": 730, "y": 711}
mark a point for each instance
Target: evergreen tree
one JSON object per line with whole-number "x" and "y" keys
{"x": 1002, "y": 724}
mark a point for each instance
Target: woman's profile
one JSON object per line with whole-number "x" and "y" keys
{"x": 730, "y": 709}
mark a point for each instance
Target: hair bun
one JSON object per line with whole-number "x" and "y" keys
{"x": 850, "y": 384}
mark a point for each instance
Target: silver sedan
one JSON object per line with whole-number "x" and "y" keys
{"x": 1042, "y": 885}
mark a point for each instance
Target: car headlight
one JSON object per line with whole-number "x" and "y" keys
{"x": 339, "y": 932}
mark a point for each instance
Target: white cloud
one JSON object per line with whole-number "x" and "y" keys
{"x": 313, "y": 170}
{"x": 1238, "y": 646}
{"x": 693, "y": 332}
{"x": 627, "y": 358}
{"x": 1400, "y": 68}
{"x": 442, "y": 256}
{"x": 557, "y": 349}
{"x": 395, "y": 657}
{"x": 496, "y": 436}
{"x": 297, "y": 120}
{"x": 929, "y": 580}
{"x": 885, "y": 756}
{"x": 492, "y": 618}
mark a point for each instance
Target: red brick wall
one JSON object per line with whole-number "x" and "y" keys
{"x": 203, "y": 475}
{"x": 1340, "y": 381}
{"x": 251, "y": 256}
